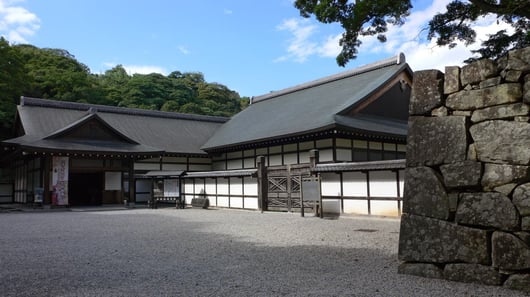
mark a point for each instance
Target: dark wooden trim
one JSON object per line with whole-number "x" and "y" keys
{"x": 368, "y": 191}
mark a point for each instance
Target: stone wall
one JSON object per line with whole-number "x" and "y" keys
{"x": 466, "y": 208}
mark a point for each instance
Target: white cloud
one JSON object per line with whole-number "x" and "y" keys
{"x": 227, "y": 11}
{"x": 421, "y": 53}
{"x": 139, "y": 69}
{"x": 16, "y": 22}
{"x": 410, "y": 38}
{"x": 183, "y": 50}
{"x": 301, "y": 44}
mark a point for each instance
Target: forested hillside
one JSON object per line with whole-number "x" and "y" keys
{"x": 26, "y": 70}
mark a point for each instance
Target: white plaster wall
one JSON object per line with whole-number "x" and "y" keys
{"x": 200, "y": 167}
{"x": 326, "y": 155}
{"x": 383, "y": 184}
{"x": 330, "y": 184}
{"x": 356, "y": 206}
{"x": 384, "y": 208}
{"x": 146, "y": 166}
{"x": 331, "y": 205}
{"x": 343, "y": 155}
{"x": 234, "y": 164}
{"x": 251, "y": 186}
{"x": 236, "y": 202}
{"x": 210, "y": 186}
{"x": 290, "y": 158}
{"x": 212, "y": 200}
{"x": 236, "y": 186}
{"x": 275, "y": 160}
{"x": 251, "y": 203}
{"x": 354, "y": 184}
{"x": 222, "y": 186}
{"x": 222, "y": 201}
{"x": 199, "y": 186}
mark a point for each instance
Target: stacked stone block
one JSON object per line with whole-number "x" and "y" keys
{"x": 466, "y": 208}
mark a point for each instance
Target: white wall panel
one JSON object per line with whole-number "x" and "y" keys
{"x": 291, "y": 158}
{"x": 222, "y": 201}
{"x": 401, "y": 182}
{"x": 330, "y": 184}
{"x": 275, "y": 160}
{"x": 384, "y": 208}
{"x": 234, "y": 164}
{"x": 222, "y": 186}
{"x": 344, "y": 155}
{"x": 167, "y": 166}
{"x": 219, "y": 165}
{"x": 188, "y": 187}
{"x": 354, "y": 184}
{"x": 210, "y": 186}
{"x": 236, "y": 186}
{"x": 304, "y": 157}
{"x": 251, "y": 203}
{"x": 212, "y": 200}
{"x": 249, "y": 163}
{"x": 199, "y": 186}
{"x": 383, "y": 184}
{"x": 356, "y": 206}
{"x": 236, "y": 202}
{"x": 326, "y": 155}
{"x": 251, "y": 186}
{"x": 200, "y": 167}
{"x": 331, "y": 205}
{"x": 146, "y": 166}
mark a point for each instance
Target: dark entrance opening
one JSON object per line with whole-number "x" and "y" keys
{"x": 85, "y": 188}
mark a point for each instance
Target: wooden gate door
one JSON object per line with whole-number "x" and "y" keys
{"x": 284, "y": 187}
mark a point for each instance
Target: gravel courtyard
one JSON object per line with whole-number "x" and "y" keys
{"x": 168, "y": 252}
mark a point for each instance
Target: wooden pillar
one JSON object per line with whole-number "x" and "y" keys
{"x": 262, "y": 183}
{"x": 46, "y": 168}
{"x": 313, "y": 159}
{"x": 289, "y": 189}
{"x": 132, "y": 184}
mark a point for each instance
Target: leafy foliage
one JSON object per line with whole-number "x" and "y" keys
{"x": 372, "y": 17}
{"x": 358, "y": 18}
{"x": 26, "y": 70}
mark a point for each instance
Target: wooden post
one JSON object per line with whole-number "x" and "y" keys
{"x": 313, "y": 161}
{"x": 46, "y": 168}
{"x": 289, "y": 189}
{"x": 132, "y": 184}
{"x": 262, "y": 183}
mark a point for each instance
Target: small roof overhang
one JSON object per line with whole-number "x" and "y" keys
{"x": 222, "y": 173}
{"x": 361, "y": 166}
{"x": 163, "y": 173}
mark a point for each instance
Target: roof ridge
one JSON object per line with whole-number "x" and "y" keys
{"x": 119, "y": 110}
{"x": 396, "y": 60}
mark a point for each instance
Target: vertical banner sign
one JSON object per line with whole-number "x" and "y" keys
{"x": 60, "y": 181}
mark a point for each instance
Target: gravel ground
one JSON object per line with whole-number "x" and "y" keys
{"x": 192, "y": 252}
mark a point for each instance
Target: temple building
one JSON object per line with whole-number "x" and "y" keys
{"x": 349, "y": 130}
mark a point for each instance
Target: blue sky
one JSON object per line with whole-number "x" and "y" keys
{"x": 251, "y": 46}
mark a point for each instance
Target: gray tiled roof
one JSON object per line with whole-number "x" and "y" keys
{"x": 312, "y": 107}
{"x": 153, "y": 131}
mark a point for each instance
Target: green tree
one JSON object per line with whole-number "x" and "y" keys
{"x": 55, "y": 73}
{"x": 13, "y": 81}
{"x": 372, "y": 17}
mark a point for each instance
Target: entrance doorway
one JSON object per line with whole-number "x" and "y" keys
{"x": 85, "y": 188}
